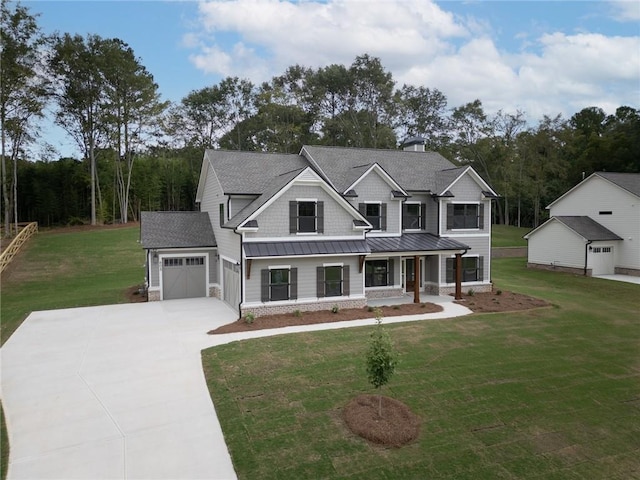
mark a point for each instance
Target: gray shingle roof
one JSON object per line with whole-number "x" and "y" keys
{"x": 414, "y": 242}
{"x": 587, "y": 228}
{"x": 176, "y": 230}
{"x": 414, "y": 171}
{"x": 628, "y": 181}
{"x": 251, "y": 172}
{"x": 320, "y": 247}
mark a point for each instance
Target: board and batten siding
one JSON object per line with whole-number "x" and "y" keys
{"x": 227, "y": 241}
{"x": 371, "y": 189}
{"x": 274, "y": 220}
{"x": 555, "y": 244}
{"x": 306, "y": 276}
{"x": 598, "y": 195}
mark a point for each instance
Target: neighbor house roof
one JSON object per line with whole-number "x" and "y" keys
{"x": 628, "y": 181}
{"x": 176, "y": 230}
{"x": 584, "y": 226}
{"x": 413, "y": 171}
{"x": 414, "y": 242}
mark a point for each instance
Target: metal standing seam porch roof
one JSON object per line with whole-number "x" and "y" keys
{"x": 414, "y": 242}
{"x": 320, "y": 247}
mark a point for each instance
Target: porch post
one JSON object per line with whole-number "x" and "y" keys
{"x": 416, "y": 277}
{"x": 458, "y": 276}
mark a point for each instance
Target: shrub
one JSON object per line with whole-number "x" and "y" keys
{"x": 335, "y": 309}
{"x": 471, "y": 292}
{"x": 370, "y": 308}
{"x": 249, "y": 318}
{"x": 297, "y": 313}
{"x": 499, "y": 292}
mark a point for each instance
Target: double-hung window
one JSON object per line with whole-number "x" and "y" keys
{"x": 332, "y": 281}
{"x": 413, "y": 216}
{"x": 375, "y": 213}
{"x": 279, "y": 283}
{"x": 306, "y": 216}
{"x": 378, "y": 273}
{"x": 472, "y": 269}
{"x": 465, "y": 216}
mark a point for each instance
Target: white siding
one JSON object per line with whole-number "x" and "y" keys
{"x": 555, "y": 244}
{"x": 598, "y": 195}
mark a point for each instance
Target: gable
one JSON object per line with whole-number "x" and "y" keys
{"x": 597, "y": 187}
{"x": 375, "y": 180}
{"x": 465, "y": 183}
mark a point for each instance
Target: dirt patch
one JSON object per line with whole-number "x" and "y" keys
{"x": 397, "y": 426}
{"x": 136, "y": 294}
{"x": 324, "y": 316}
{"x": 500, "y": 301}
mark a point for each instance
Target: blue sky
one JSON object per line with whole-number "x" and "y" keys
{"x": 542, "y": 57}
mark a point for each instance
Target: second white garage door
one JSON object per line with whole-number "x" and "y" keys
{"x": 184, "y": 277}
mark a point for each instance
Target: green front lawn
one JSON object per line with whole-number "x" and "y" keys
{"x": 508, "y": 236}
{"x": 550, "y": 393}
{"x": 61, "y": 269}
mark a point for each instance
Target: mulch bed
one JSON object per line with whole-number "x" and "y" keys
{"x": 397, "y": 426}
{"x": 324, "y": 316}
{"x": 500, "y": 301}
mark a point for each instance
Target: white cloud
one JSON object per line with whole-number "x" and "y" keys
{"x": 626, "y": 10}
{"x": 422, "y": 44}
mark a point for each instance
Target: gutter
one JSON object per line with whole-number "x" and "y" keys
{"x": 586, "y": 255}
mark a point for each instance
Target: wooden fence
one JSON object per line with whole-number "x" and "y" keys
{"x": 14, "y": 247}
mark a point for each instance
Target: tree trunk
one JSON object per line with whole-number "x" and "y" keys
{"x": 380, "y": 405}
{"x": 5, "y": 187}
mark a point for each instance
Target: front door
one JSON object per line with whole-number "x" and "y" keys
{"x": 410, "y": 275}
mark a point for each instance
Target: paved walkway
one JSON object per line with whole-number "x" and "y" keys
{"x": 620, "y": 278}
{"x": 118, "y": 391}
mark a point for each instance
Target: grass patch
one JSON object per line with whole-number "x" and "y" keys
{"x": 550, "y": 393}
{"x": 508, "y": 236}
{"x": 61, "y": 269}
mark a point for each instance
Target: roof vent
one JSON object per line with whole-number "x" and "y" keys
{"x": 413, "y": 144}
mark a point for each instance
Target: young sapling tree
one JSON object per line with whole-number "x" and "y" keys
{"x": 381, "y": 358}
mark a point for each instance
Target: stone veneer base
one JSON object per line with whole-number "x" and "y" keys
{"x": 153, "y": 296}
{"x": 482, "y": 288}
{"x": 303, "y": 307}
{"x": 634, "y": 272}
{"x": 392, "y": 292}
{"x": 558, "y": 268}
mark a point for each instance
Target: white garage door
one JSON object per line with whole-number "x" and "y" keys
{"x": 184, "y": 277}
{"x": 602, "y": 261}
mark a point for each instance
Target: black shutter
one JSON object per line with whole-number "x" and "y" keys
{"x": 293, "y": 216}
{"x": 481, "y": 216}
{"x": 320, "y": 217}
{"x": 423, "y": 216}
{"x": 480, "y": 269}
{"x": 383, "y": 217}
{"x": 450, "y": 269}
{"x": 293, "y": 284}
{"x": 264, "y": 285}
{"x": 221, "y": 210}
{"x": 320, "y": 282}
{"x": 449, "y": 216}
{"x": 390, "y": 277}
{"x": 404, "y": 217}
{"x": 346, "y": 281}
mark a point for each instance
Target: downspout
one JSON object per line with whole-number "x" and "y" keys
{"x": 241, "y": 272}
{"x": 586, "y": 255}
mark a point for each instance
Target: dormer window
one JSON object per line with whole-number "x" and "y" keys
{"x": 306, "y": 216}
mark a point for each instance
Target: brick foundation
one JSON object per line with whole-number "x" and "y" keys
{"x": 266, "y": 309}
{"x": 392, "y": 292}
{"x": 558, "y": 268}
{"x": 634, "y": 272}
{"x": 153, "y": 296}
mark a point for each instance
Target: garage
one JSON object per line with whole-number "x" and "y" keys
{"x": 181, "y": 255}
{"x": 231, "y": 283}
{"x": 602, "y": 260}
{"x": 184, "y": 277}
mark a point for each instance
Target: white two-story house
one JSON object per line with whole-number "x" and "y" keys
{"x": 331, "y": 227}
{"x": 593, "y": 229}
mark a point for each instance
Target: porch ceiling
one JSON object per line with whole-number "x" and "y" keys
{"x": 414, "y": 242}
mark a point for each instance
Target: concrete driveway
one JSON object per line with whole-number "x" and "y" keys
{"x": 114, "y": 392}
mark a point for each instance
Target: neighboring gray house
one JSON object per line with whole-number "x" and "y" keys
{"x": 594, "y": 228}
{"x": 335, "y": 226}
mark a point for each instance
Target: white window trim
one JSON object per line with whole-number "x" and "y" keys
{"x": 462, "y": 202}
{"x": 422, "y": 227}
{"x": 279, "y": 267}
{"x": 315, "y": 214}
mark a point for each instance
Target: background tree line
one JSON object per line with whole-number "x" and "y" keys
{"x": 141, "y": 153}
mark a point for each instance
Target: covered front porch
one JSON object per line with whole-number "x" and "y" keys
{"x": 415, "y": 267}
